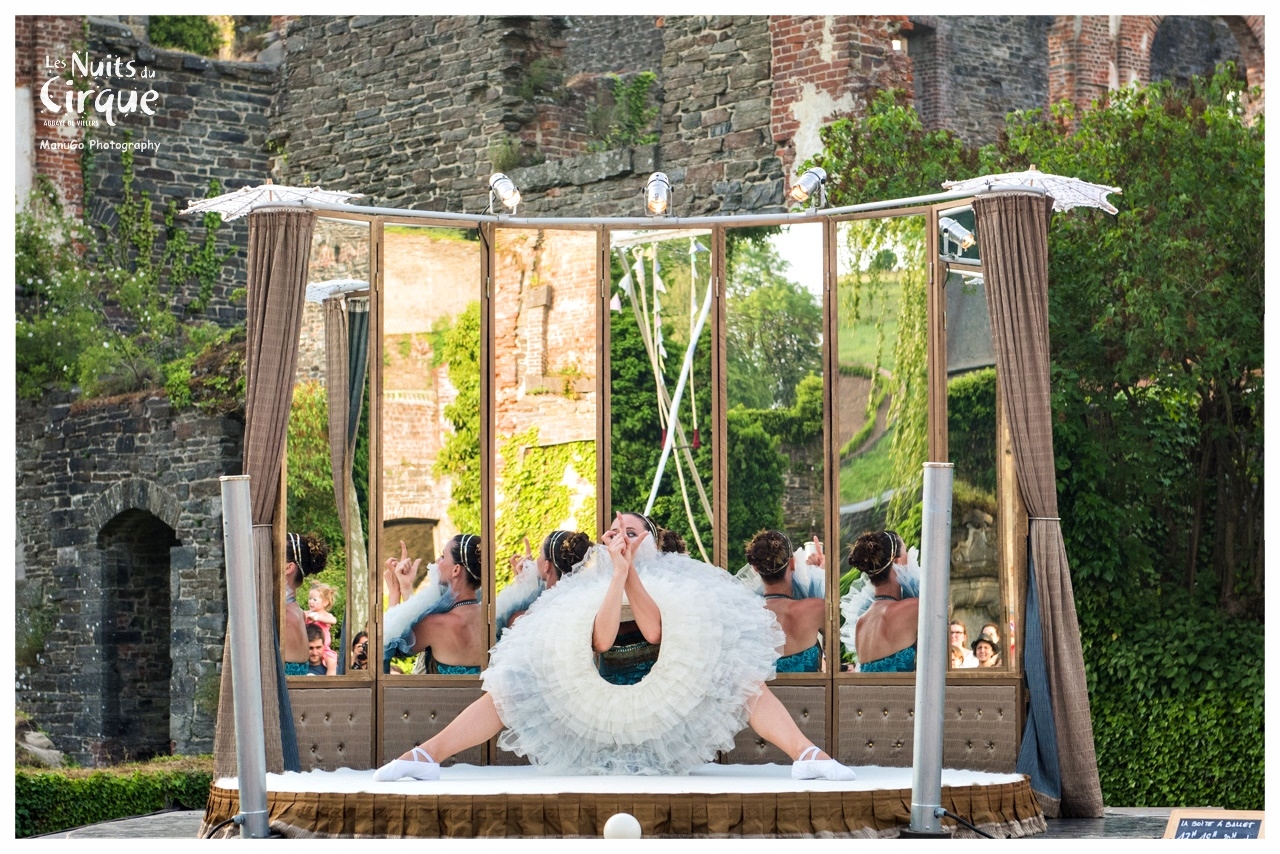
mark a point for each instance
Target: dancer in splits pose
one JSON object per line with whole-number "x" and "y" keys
{"x": 637, "y": 663}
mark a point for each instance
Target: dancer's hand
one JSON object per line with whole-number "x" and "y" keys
{"x": 406, "y": 571}
{"x": 816, "y": 557}
{"x": 518, "y": 561}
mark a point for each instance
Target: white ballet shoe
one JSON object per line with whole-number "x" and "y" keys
{"x": 396, "y": 769}
{"x": 819, "y": 769}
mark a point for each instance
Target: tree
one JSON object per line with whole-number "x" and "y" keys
{"x": 456, "y": 343}
{"x": 774, "y": 329}
{"x": 1156, "y": 322}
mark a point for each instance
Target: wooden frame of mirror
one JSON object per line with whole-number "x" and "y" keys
{"x": 1011, "y": 524}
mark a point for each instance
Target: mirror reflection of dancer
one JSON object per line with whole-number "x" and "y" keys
{"x": 447, "y": 625}
{"x": 886, "y": 632}
{"x": 716, "y": 647}
{"x": 801, "y": 609}
{"x": 305, "y": 555}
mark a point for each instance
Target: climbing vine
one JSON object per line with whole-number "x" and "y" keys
{"x": 536, "y": 494}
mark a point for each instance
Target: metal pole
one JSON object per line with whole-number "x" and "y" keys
{"x": 932, "y": 656}
{"x": 246, "y": 670}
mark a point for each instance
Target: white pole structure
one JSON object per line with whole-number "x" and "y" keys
{"x": 932, "y": 656}
{"x": 246, "y": 670}
{"x": 674, "y": 412}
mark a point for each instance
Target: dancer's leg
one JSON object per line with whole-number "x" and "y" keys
{"x": 475, "y": 724}
{"x": 771, "y": 721}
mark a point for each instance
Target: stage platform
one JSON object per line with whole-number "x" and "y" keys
{"x": 716, "y": 801}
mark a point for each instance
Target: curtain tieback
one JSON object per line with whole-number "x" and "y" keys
{"x": 1044, "y": 518}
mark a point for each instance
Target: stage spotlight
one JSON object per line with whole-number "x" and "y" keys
{"x": 504, "y": 189}
{"x": 956, "y": 232}
{"x": 812, "y": 183}
{"x": 657, "y": 194}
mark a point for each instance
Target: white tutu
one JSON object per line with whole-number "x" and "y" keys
{"x": 719, "y": 645}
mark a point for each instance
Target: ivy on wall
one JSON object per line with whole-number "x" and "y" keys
{"x": 535, "y": 494}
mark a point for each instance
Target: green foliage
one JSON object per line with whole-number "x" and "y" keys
{"x": 971, "y": 427}
{"x": 1177, "y": 698}
{"x": 773, "y": 331}
{"x": 456, "y": 343}
{"x": 630, "y": 120}
{"x": 192, "y": 33}
{"x": 50, "y": 801}
{"x": 58, "y": 312}
{"x": 535, "y": 499}
{"x": 1157, "y": 343}
{"x": 887, "y": 154}
{"x": 310, "y": 503}
{"x": 101, "y": 310}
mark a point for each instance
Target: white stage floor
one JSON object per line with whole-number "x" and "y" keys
{"x": 529, "y": 780}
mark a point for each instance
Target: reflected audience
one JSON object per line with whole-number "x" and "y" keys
{"x": 442, "y": 622}
{"x": 713, "y": 647}
{"x": 319, "y": 606}
{"x": 959, "y": 636}
{"x": 305, "y": 555}
{"x": 317, "y": 664}
{"x": 360, "y": 652}
{"x": 987, "y": 651}
{"x": 770, "y": 554}
{"x": 885, "y": 634}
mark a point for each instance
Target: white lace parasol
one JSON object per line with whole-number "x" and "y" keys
{"x": 1067, "y": 193}
{"x": 242, "y": 201}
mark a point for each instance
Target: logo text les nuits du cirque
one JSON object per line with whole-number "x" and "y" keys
{"x": 59, "y": 93}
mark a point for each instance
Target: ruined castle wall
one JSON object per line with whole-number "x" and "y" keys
{"x": 79, "y": 468}
{"x": 210, "y": 123}
{"x": 970, "y": 71}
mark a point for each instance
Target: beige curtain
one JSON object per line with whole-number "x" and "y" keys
{"x": 1013, "y": 231}
{"x": 279, "y": 248}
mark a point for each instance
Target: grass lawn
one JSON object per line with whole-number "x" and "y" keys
{"x": 867, "y": 475}
{"x": 857, "y": 342}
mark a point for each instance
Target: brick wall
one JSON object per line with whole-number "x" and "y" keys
{"x": 40, "y": 41}
{"x": 210, "y": 123}
{"x": 970, "y": 71}
{"x": 825, "y": 67}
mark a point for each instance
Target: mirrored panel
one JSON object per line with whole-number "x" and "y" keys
{"x": 545, "y": 309}
{"x": 774, "y": 381}
{"x": 326, "y": 579}
{"x": 430, "y": 564}
{"x": 881, "y": 434}
{"x": 660, "y": 382}
{"x": 977, "y": 607}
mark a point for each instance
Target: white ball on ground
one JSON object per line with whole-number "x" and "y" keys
{"x": 622, "y": 826}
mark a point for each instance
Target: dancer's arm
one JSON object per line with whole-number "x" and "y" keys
{"x": 648, "y": 616}
{"x": 609, "y": 616}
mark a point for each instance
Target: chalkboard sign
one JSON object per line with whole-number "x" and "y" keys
{"x": 1216, "y": 824}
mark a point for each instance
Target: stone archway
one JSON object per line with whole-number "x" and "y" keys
{"x": 129, "y": 621}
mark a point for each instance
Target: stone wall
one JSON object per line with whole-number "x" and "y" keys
{"x": 107, "y": 494}
{"x": 210, "y": 124}
{"x": 970, "y": 71}
{"x": 716, "y": 144}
